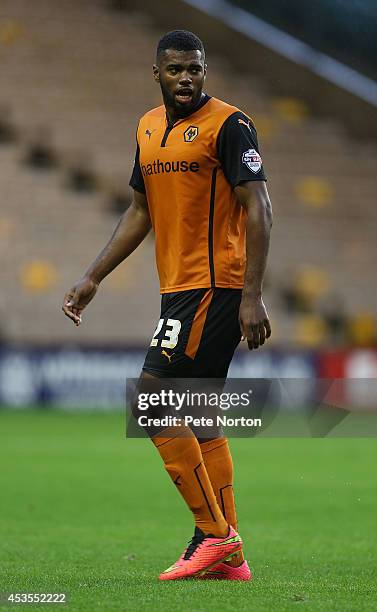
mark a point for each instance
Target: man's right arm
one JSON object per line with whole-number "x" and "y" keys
{"x": 131, "y": 230}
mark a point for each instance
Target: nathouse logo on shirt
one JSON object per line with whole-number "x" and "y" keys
{"x": 159, "y": 167}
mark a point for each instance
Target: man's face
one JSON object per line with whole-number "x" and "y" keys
{"x": 181, "y": 75}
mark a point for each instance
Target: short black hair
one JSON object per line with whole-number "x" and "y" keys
{"x": 180, "y": 40}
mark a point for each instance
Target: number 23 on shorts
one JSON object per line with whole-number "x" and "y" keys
{"x": 171, "y": 332}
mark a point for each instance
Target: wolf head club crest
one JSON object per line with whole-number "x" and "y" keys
{"x": 191, "y": 133}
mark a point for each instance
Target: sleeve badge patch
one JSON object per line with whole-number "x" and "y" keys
{"x": 252, "y": 160}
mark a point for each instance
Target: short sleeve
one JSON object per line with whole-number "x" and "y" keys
{"x": 238, "y": 150}
{"x": 136, "y": 180}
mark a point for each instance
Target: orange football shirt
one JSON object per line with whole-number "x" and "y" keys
{"x": 188, "y": 171}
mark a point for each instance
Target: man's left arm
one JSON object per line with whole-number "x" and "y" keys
{"x": 238, "y": 152}
{"x": 254, "y": 321}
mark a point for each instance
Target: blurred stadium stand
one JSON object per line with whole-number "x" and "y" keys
{"x": 75, "y": 78}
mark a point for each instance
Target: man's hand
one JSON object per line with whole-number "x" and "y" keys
{"x": 78, "y": 297}
{"x": 254, "y": 322}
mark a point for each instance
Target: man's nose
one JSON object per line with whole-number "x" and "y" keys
{"x": 185, "y": 78}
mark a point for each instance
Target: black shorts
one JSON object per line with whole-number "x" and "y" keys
{"x": 196, "y": 335}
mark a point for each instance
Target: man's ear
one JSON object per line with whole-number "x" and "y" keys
{"x": 205, "y": 70}
{"x": 156, "y": 73}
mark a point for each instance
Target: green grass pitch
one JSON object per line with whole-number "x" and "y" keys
{"x": 88, "y": 512}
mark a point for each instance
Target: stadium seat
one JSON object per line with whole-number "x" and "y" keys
{"x": 314, "y": 191}
{"x": 310, "y": 331}
{"x": 10, "y": 32}
{"x": 38, "y": 276}
{"x": 312, "y": 282}
{"x": 291, "y": 110}
{"x": 363, "y": 329}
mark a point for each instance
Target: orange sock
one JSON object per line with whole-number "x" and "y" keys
{"x": 180, "y": 451}
{"x": 219, "y": 465}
